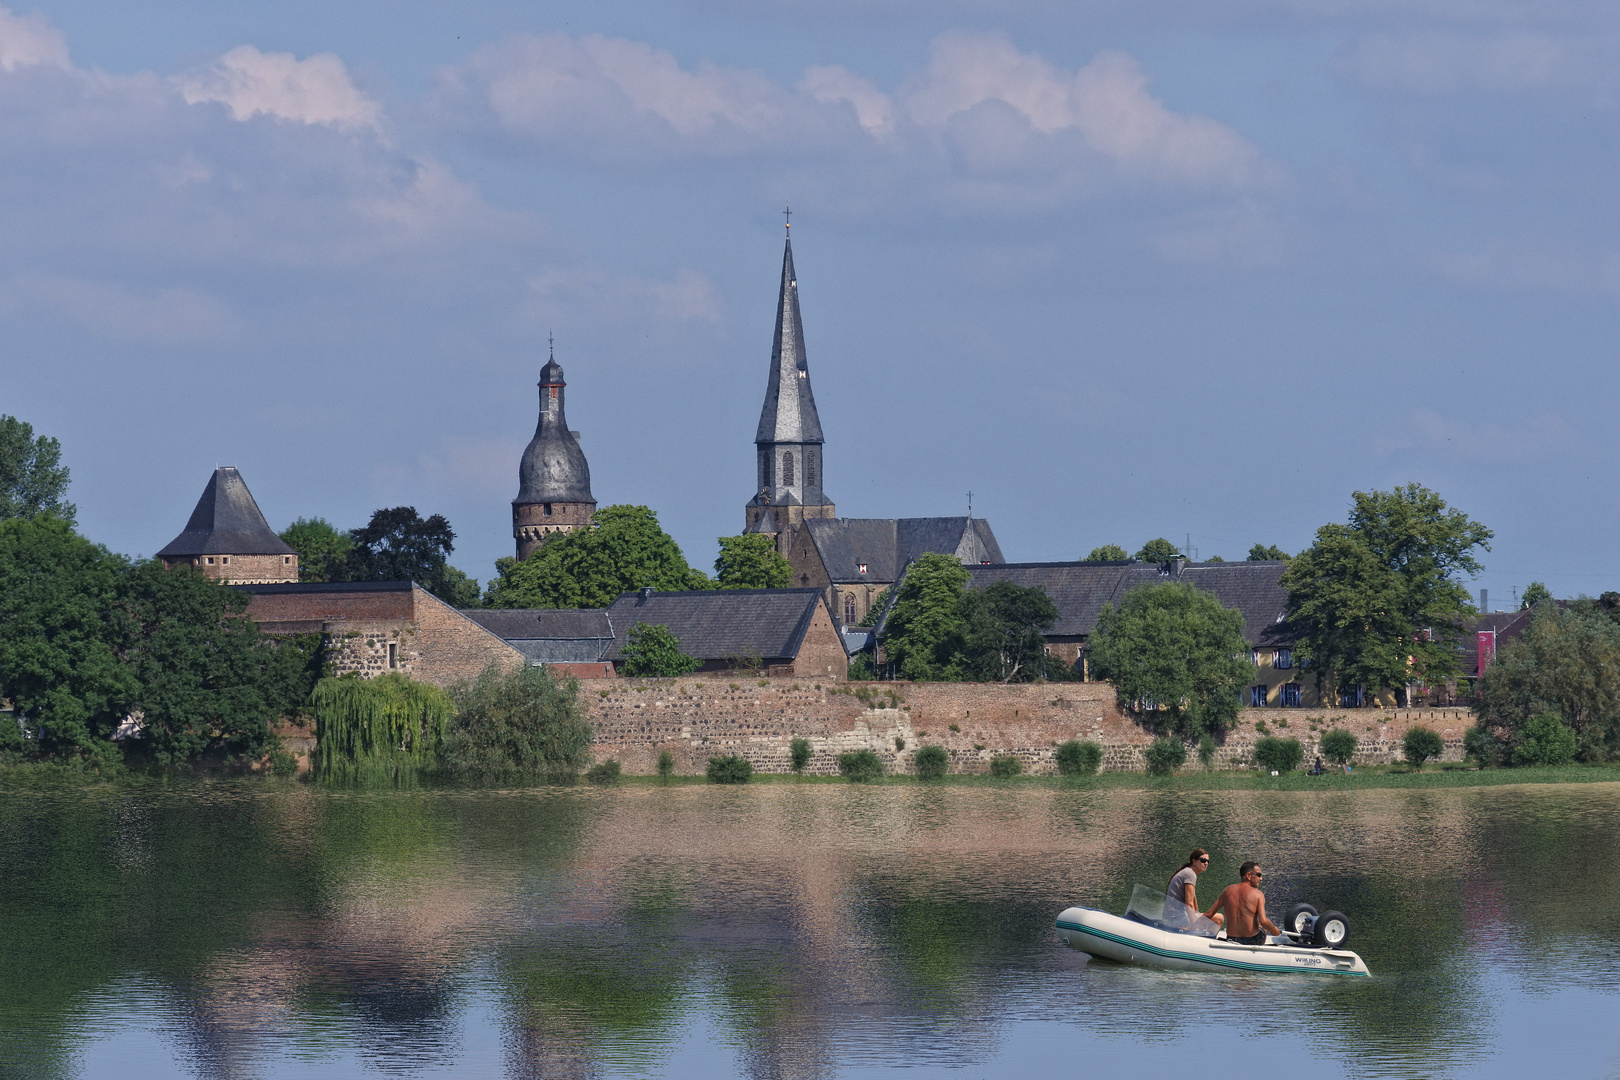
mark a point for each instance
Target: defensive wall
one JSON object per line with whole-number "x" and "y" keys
{"x": 698, "y": 717}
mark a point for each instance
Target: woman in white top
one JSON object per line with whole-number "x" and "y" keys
{"x": 1183, "y": 884}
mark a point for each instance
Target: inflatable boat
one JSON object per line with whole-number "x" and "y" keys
{"x": 1159, "y": 931}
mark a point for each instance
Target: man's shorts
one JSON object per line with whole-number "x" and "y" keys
{"x": 1258, "y": 939}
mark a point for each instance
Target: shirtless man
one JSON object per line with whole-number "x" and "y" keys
{"x": 1245, "y": 908}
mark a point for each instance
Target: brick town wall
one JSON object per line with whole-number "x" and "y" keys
{"x": 362, "y": 646}
{"x": 695, "y": 718}
{"x": 452, "y": 646}
{"x": 324, "y": 606}
{"x": 243, "y": 569}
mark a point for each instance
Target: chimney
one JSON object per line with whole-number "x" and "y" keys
{"x": 646, "y": 593}
{"x": 1484, "y": 601}
{"x": 1176, "y": 565}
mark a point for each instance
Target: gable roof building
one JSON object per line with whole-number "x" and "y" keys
{"x": 852, "y": 560}
{"x": 563, "y": 637}
{"x": 227, "y": 538}
{"x": 789, "y": 630}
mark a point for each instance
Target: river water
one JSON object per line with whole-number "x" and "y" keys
{"x": 262, "y": 930}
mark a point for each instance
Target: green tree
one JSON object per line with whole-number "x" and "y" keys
{"x": 32, "y": 476}
{"x": 1420, "y": 744}
{"x": 1544, "y": 740}
{"x": 321, "y": 548}
{"x": 208, "y": 677}
{"x": 923, "y": 636}
{"x": 751, "y": 562}
{"x": 1165, "y": 755}
{"x": 1376, "y": 602}
{"x": 1206, "y": 751}
{"x": 520, "y": 723}
{"x": 387, "y": 729}
{"x": 398, "y": 544}
{"x": 625, "y": 550}
{"x": 859, "y": 766}
{"x": 1005, "y": 766}
{"x": 1535, "y": 593}
{"x": 730, "y": 769}
{"x": 1339, "y": 746}
{"x": 1174, "y": 648}
{"x": 875, "y": 612}
{"x": 932, "y": 762}
{"x": 653, "y": 650}
{"x": 1567, "y": 661}
{"x": 1484, "y": 746}
{"x": 1076, "y": 758}
{"x": 1108, "y": 553}
{"x": 1280, "y": 755}
{"x": 1268, "y": 553}
{"x": 66, "y": 683}
{"x": 799, "y": 751}
{"x": 1003, "y": 627}
{"x": 1157, "y": 551}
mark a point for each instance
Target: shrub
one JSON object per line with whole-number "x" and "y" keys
{"x": 1421, "y": 744}
{"x": 932, "y": 762}
{"x": 899, "y": 744}
{"x": 1165, "y": 755}
{"x": 1545, "y": 740}
{"x": 1076, "y": 758}
{"x": 282, "y": 762}
{"x": 666, "y": 763}
{"x": 1206, "y": 751}
{"x": 1339, "y": 746}
{"x": 799, "y": 754}
{"x": 606, "y": 772}
{"x": 861, "y": 669}
{"x": 859, "y": 766}
{"x": 384, "y": 729}
{"x": 1005, "y": 766}
{"x": 516, "y": 723}
{"x": 1484, "y": 746}
{"x": 651, "y": 649}
{"x": 730, "y": 769}
{"x": 1283, "y": 755}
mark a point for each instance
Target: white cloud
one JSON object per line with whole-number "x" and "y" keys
{"x": 312, "y": 91}
{"x": 831, "y": 85}
{"x": 30, "y": 41}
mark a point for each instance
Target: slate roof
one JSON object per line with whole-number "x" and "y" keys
{"x": 717, "y": 624}
{"x": 226, "y": 522}
{"x": 1508, "y": 626}
{"x": 789, "y": 413}
{"x": 553, "y": 468}
{"x": 885, "y": 545}
{"x": 549, "y": 635}
{"x": 1080, "y": 589}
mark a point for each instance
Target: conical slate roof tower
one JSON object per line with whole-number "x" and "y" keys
{"x": 789, "y": 437}
{"x": 227, "y": 537}
{"x": 554, "y": 481}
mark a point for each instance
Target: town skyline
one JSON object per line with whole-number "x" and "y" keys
{"x": 1224, "y": 333}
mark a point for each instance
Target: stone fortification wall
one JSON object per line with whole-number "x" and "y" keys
{"x": 695, "y": 718}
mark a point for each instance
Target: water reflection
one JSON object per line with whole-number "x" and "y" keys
{"x": 811, "y": 930}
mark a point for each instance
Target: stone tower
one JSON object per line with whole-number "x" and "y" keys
{"x": 789, "y": 437}
{"x": 228, "y": 539}
{"x": 554, "y": 483}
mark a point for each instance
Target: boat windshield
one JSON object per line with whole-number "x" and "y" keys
{"x": 1166, "y": 912}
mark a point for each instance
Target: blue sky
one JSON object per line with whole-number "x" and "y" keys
{"x": 1122, "y": 270}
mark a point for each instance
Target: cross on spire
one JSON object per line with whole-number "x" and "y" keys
{"x": 787, "y": 216}
{"x": 551, "y": 342}
{"x": 970, "y": 504}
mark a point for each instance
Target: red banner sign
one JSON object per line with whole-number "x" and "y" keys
{"x": 1487, "y": 649}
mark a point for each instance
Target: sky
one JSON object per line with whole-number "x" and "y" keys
{"x": 1169, "y": 268}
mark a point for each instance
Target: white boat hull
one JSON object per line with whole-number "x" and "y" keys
{"x": 1130, "y": 942}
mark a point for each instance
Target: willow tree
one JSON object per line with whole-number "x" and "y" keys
{"x": 388, "y": 728}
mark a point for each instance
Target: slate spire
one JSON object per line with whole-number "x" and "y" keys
{"x": 789, "y": 436}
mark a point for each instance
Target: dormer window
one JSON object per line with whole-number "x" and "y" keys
{"x": 860, "y": 568}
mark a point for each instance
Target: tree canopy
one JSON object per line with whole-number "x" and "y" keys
{"x": 33, "y": 479}
{"x": 751, "y": 562}
{"x": 523, "y": 722}
{"x": 321, "y": 548}
{"x": 626, "y": 550}
{"x": 940, "y": 630}
{"x": 923, "y": 637}
{"x": 398, "y": 544}
{"x": 1160, "y": 550}
{"x": 1376, "y": 602}
{"x": 1566, "y": 662}
{"x": 1108, "y": 553}
{"x": 1174, "y": 648}
{"x": 1004, "y": 628}
{"x": 653, "y": 650}
{"x": 1535, "y": 593}
{"x": 1268, "y": 553}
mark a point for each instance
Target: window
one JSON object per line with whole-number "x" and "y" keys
{"x": 1254, "y": 657}
{"x": 1282, "y": 658}
{"x": 223, "y": 559}
{"x": 393, "y": 655}
{"x": 1289, "y": 698}
{"x": 546, "y": 509}
{"x": 210, "y": 560}
{"x": 1257, "y": 696}
{"x": 849, "y": 608}
{"x": 810, "y": 467}
{"x": 787, "y": 468}
{"x": 1351, "y": 698}
{"x": 860, "y": 568}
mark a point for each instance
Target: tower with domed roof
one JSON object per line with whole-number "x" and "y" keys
{"x": 554, "y": 482}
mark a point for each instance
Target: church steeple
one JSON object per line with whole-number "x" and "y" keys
{"x": 554, "y": 482}
{"x": 789, "y": 438}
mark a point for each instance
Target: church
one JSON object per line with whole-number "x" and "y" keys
{"x": 851, "y": 560}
